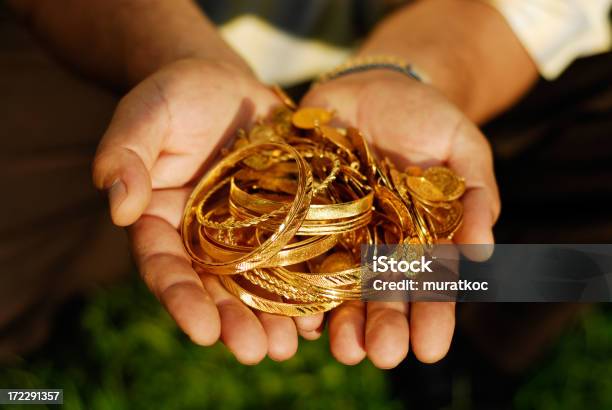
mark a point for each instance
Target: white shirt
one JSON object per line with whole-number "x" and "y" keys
{"x": 556, "y": 32}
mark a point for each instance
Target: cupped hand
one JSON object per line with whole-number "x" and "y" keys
{"x": 411, "y": 123}
{"x": 163, "y": 135}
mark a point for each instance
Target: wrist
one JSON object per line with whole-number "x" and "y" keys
{"x": 481, "y": 67}
{"x": 447, "y": 72}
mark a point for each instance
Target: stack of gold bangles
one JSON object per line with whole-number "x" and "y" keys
{"x": 282, "y": 217}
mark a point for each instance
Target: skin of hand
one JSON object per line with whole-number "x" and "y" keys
{"x": 158, "y": 143}
{"x": 411, "y": 123}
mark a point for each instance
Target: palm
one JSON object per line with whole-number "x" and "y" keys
{"x": 200, "y": 107}
{"x": 411, "y": 124}
{"x": 196, "y": 117}
{"x": 414, "y": 129}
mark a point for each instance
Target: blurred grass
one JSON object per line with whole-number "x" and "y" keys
{"x": 128, "y": 354}
{"x": 125, "y": 352}
{"x": 578, "y": 372}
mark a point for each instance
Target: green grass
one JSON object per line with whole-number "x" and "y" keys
{"x": 124, "y": 352}
{"x": 129, "y": 354}
{"x": 578, "y": 372}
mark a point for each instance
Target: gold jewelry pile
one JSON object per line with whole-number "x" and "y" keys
{"x": 282, "y": 217}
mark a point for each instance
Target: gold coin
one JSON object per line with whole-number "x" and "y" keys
{"x": 397, "y": 177}
{"x": 280, "y": 120}
{"x": 451, "y": 186}
{"x": 336, "y": 262}
{"x": 335, "y": 136}
{"x": 261, "y": 133}
{"x": 309, "y": 118}
{"x": 394, "y": 208}
{"x": 445, "y": 222}
{"x": 424, "y": 189}
{"x": 411, "y": 250}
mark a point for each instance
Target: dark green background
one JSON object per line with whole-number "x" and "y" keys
{"x": 120, "y": 350}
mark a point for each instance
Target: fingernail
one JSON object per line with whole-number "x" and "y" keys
{"x": 117, "y": 193}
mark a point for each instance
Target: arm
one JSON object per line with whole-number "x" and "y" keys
{"x": 123, "y": 41}
{"x": 466, "y": 48}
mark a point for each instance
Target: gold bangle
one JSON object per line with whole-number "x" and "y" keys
{"x": 280, "y": 287}
{"x": 317, "y": 212}
{"x": 294, "y": 217}
{"x": 204, "y": 220}
{"x": 291, "y": 254}
{"x": 270, "y": 306}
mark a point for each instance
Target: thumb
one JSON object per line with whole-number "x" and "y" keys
{"x": 128, "y": 151}
{"x": 122, "y": 173}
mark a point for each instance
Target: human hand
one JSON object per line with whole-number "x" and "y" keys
{"x": 411, "y": 123}
{"x": 159, "y": 141}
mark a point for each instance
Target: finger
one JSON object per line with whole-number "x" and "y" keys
{"x": 166, "y": 269}
{"x": 309, "y": 327}
{"x": 387, "y": 333}
{"x": 282, "y": 335}
{"x": 346, "y": 332}
{"x": 312, "y": 335}
{"x": 475, "y": 237}
{"x": 128, "y": 151}
{"x": 471, "y": 157}
{"x": 431, "y": 329}
{"x": 241, "y": 331}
